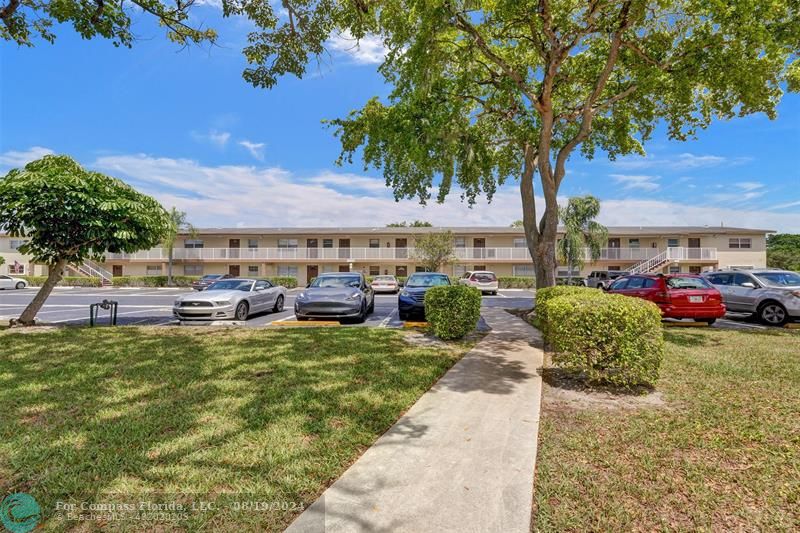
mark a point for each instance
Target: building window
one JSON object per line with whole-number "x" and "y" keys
{"x": 673, "y": 243}
{"x": 252, "y": 269}
{"x": 525, "y": 271}
{"x": 16, "y": 268}
{"x": 564, "y": 272}
{"x": 737, "y": 243}
{"x": 14, "y": 244}
{"x": 374, "y": 270}
{"x": 675, "y": 269}
{"x": 421, "y": 269}
{"x": 520, "y": 242}
{"x": 374, "y": 243}
{"x": 193, "y": 243}
{"x": 329, "y": 268}
{"x": 252, "y": 243}
{"x": 633, "y": 243}
{"x": 459, "y": 270}
{"x": 287, "y": 243}
{"x": 153, "y": 270}
{"x": 479, "y": 267}
{"x": 460, "y": 242}
{"x": 695, "y": 269}
{"x": 327, "y": 243}
{"x": 193, "y": 270}
{"x": 287, "y": 271}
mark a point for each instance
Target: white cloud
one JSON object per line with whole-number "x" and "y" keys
{"x": 367, "y": 51}
{"x": 749, "y": 185}
{"x": 637, "y": 181}
{"x": 736, "y": 198}
{"x": 218, "y": 138}
{"x": 15, "y": 159}
{"x": 684, "y": 161}
{"x": 786, "y": 205}
{"x": 352, "y": 181}
{"x": 255, "y": 149}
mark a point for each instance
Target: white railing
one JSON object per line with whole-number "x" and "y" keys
{"x": 623, "y": 254}
{"x": 671, "y": 255}
{"x": 93, "y": 270}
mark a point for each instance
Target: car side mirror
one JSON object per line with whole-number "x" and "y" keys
{"x": 308, "y": 284}
{"x": 748, "y": 285}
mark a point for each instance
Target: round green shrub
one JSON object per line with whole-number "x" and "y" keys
{"x": 543, "y": 295}
{"x": 452, "y": 311}
{"x": 610, "y": 338}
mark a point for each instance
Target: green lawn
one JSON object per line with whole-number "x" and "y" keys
{"x": 723, "y": 453}
{"x": 105, "y": 415}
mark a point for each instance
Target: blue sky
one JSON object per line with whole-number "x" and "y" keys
{"x": 184, "y": 126}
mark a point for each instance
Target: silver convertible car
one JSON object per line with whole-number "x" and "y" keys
{"x": 230, "y": 298}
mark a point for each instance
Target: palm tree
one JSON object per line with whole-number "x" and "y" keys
{"x": 178, "y": 224}
{"x": 580, "y": 231}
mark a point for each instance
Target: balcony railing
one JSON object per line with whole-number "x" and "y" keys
{"x": 391, "y": 254}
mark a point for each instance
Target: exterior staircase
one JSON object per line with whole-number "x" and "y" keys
{"x": 93, "y": 270}
{"x": 654, "y": 263}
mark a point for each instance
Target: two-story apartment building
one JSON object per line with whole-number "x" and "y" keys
{"x": 306, "y": 252}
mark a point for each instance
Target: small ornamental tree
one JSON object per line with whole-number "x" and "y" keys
{"x": 179, "y": 223}
{"x": 434, "y": 250}
{"x": 69, "y": 214}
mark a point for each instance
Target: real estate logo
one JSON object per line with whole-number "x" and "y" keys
{"x": 20, "y": 513}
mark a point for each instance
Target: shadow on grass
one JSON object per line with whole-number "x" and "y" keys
{"x": 89, "y": 412}
{"x": 561, "y": 378}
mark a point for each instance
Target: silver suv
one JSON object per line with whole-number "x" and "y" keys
{"x": 772, "y": 295}
{"x": 600, "y": 279}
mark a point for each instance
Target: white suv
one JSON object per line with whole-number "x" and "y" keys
{"x": 482, "y": 280}
{"x": 772, "y": 295}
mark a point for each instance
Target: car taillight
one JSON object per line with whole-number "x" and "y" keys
{"x": 662, "y": 297}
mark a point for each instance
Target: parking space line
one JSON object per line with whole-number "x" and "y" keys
{"x": 385, "y": 321}
{"x": 292, "y": 317}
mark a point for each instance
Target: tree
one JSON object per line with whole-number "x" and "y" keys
{"x": 486, "y": 92}
{"x": 406, "y": 224}
{"x": 434, "y": 250}
{"x": 25, "y": 20}
{"x": 516, "y": 224}
{"x": 68, "y": 215}
{"x": 581, "y": 231}
{"x": 178, "y": 223}
{"x": 783, "y": 251}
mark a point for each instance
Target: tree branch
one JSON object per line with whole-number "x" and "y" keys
{"x": 8, "y": 10}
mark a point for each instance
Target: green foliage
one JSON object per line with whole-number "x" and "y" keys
{"x": 516, "y": 282}
{"x": 70, "y": 214}
{"x": 516, "y": 224}
{"x": 414, "y": 224}
{"x": 434, "y": 250}
{"x": 286, "y": 281}
{"x": 581, "y": 231}
{"x": 452, "y": 311}
{"x": 66, "y": 281}
{"x": 545, "y": 294}
{"x": 783, "y": 251}
{"x": 23, "y": 21}
{"x": 2, "y": 260}
{"x": 609, "y": 338}
{"x": 183, "y": 281}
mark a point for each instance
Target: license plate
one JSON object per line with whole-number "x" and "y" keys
{"x": 696, "y": 299}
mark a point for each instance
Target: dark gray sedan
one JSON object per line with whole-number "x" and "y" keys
{"x": 336, "y": 295}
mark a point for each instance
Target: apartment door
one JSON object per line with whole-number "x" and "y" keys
{"x": 116, "y": 270}
{"x": 344, "y": 268}
{"x": 694, "y": 248}
{"x": 344, "y": 251}
{"x": 234, "y": 270}
{"x": 401, "y": 251}
{"x": 311, "y": 245}
{"x": 401, "y": 271}
{"x": 478, "y": 248}
{"x": 233, "y": 245}
{"x": 613, "y": 248}
{"x": 312, "y": 271}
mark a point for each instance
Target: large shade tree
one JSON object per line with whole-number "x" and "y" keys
{"x": 68, "y": 214}
{"x": 488, "y": 92}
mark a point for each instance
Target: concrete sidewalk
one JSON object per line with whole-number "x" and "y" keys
{"x": 461, "y": 459}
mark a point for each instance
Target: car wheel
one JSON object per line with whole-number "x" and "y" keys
{"x": 20, "y": 285}
{"x": 362, "y": 317}
{"x": 278, "y": 304}
{"x": 371, "y": 308}
{"x": 403, "y": 316}
{"x": 773, "y": 314}
{"x": 242, "y": 310}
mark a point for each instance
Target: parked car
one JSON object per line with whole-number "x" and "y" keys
{"x": 336, "y": 295}
{"x": 385, "y": 284}
{"x": 412, "y": 297}
{"x": 7, "y": 282}
{"x": 203, "y": 283}
{"x": 599, "y": 279}
{"x": 483, "y": 280}
{"x": 676, "y": 295}
{"x": 231, "y": 298}
{"x": 771, "y": 295}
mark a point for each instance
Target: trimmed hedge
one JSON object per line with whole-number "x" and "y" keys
{"x": 183, "y": 281}
{"x": 548, "y": 293}
{"x": 610, "y": 338}
{"x": 516, "y": 282}
{"x": 286, "y": 281}
{"x": 452, "y": 311}
{"x": 66, "y": 281}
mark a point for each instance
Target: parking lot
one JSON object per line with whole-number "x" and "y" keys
{"x": 68, "y": 305}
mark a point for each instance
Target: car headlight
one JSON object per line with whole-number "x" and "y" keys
{"x": 404, "y": 293}
{"x": 222, "y": 302}
{"x": 301, "y": 296}
{"x": 354, "y": 296}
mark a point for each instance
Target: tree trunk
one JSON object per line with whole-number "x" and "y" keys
{"x": 169, "y": 268}
{"x": 28, "y": 316}
{"x": 544, "y": 263}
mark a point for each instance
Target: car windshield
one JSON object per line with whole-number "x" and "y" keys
{"x": 383, "y": 278}
{"x": 336, "y": 282}
{"x": 787, "y": 279}
{"x": 231, "y": 285}
{"x": 427, "y": 280}
{"x": 485, "y": 276}
{"x": 687, "y": 282}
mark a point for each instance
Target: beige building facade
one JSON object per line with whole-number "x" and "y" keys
{"x": 304, "y": 253}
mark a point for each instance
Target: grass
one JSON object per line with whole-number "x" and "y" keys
{"x": 722, "y": 454}
{"x": 107, "y": 415}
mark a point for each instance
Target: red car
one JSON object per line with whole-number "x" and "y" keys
{"x": 677, "y": 295}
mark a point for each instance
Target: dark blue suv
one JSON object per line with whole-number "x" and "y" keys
{"x": 412, "y": 297}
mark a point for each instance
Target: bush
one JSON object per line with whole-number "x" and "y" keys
{"x": 516, "y": 282}
{"x": 66, "y": 281}
{"x": 286, "y": 281}
{"x": 548, "y": 293}
{"x": 609, "y": 338}
{"x": 452, "y": 311}
{"x": 152, "y": 281}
